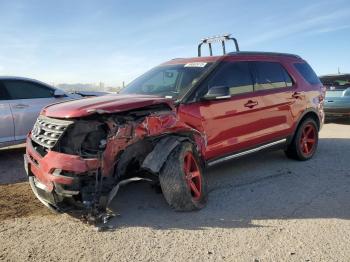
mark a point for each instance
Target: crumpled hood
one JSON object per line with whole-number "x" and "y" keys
{"x": 102, "y": 104}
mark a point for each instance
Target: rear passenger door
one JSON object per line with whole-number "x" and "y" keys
{"x": 27, "y": 100}
{"x": 275, "y": 87}
{"x": 6, "y": 120}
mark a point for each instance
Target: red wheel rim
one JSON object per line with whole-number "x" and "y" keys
{"x": 193, "y": 176}
{"x": 308, "y": 140}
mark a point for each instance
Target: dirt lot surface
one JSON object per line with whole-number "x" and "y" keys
{"x": 261, "y": 208}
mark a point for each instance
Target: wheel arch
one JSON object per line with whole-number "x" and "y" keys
{"x": 309, "y": 113}
{"x": 155, "y": 160}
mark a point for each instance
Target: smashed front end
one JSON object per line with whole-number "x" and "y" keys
{"x": 77, "y": 165}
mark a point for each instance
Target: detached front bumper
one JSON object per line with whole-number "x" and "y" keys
{"x": 56, "y": 176}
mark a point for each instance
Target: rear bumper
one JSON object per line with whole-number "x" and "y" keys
{"x": 54, "y": 175}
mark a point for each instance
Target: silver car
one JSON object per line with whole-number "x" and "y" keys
{"x": 337, "y": 102}
{"x": 21, "y": 101}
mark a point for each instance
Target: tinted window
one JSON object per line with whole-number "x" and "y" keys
{"x": 287, "y": 78}
{"x": 27, "y": 90}
{"x": 309, "y": 75}
{"x": 271, "y": 75}
{"x": 236, "y": 76}
{"x": 3, "y": 92}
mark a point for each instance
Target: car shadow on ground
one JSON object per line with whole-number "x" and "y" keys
{"x": 338, "y": 120}
{"x": 244, "y": 191}
{"x": 11, "y": 165}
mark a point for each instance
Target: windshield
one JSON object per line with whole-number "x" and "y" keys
{"x": 171, "y": 81}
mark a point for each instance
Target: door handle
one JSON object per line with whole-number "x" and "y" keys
{"x": 251, "y": 104}
{"x": 297, "y": 95}
{"x": 20, "y": 106}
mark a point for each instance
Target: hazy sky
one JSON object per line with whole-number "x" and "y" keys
{"x": 111, "y": 41}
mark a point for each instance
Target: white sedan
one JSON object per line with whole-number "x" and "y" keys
{"x": 21, "y": 100}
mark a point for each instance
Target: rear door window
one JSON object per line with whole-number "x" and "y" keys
{"x": 308, "y": 74}
{"x": 236, "y": 76}
{"x": 18, "y": 89}
{"x": 271, "y": 75}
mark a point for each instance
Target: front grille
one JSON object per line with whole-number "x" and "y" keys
{"x": 47, "y": 131}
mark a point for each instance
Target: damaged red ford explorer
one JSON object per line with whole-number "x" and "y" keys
{"x": 171, "y": 123}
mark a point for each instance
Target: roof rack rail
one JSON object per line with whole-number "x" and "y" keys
{"x": 263, "y": 53}
{"x": 215, "y": 39}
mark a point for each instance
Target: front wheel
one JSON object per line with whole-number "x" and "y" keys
{"x": 305, "y": 141}
{"x": 181, "y": 179}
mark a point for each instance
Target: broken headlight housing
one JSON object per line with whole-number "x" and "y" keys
{"x": 84, "y": 138}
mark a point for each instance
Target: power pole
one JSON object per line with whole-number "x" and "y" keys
{"x": 102, "y": 86}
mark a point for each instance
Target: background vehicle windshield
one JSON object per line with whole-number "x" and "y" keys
{"x": 341, "y": 82}
{"x": 338, "y": 84}
{"x": 167, "y": 81}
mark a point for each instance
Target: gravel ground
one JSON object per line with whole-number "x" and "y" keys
{"x": 261, "y": 208}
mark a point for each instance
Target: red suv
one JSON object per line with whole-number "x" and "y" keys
{"x": 170, "y": 123}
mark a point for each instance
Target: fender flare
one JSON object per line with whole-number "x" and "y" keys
{"x": 155, "y": 160}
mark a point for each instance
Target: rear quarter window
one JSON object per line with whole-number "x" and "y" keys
{"x": 308, "y": 73}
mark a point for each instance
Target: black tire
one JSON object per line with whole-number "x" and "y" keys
{"x": 297, "y": 149}
{"x": 176, "y": 185}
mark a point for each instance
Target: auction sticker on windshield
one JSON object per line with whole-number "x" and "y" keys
{"x": 196, "y": 64}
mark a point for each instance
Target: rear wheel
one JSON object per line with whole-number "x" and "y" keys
{"x": 181, "y": 179}
{"x": 305, "y": 141}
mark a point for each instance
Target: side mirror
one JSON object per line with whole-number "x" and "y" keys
{"x": 58, "y": 93}
{"x": 217, "y": 92}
